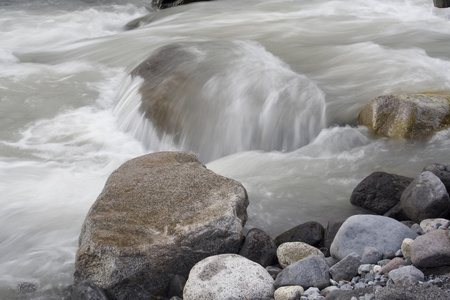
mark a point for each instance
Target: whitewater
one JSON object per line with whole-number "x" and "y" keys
{"x": 282, "y": 84}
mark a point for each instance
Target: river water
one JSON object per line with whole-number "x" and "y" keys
{"x": 282, "y": 83}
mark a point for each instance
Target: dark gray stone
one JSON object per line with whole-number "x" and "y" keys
{"x": 397, "y": 213}
{"x": 158, "y": 215}
{"x": 431, "y": 249}
{"x": 379, "y": 192}
{"x": 330, "y": 232}
{"x": 362, "y": 231}
{"x": 259, "y": 247}
{"x": 346, "y": 268}
{"x": 87, "y": 290}
{"x": 426, "y": 197}
{"x": 441, "y": 3}
{"x": 442, "y": 171}
{"x": 176, "y": 286}
{"x": 310, "y": 233}
{"x": 312, "y": 271}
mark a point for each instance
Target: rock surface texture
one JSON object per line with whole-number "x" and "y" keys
{"x": 379, "y": 192}
{"x": 426, "y": 197}
{"x": 362, "y": 231}
{"x": 407, "y": 115}
{"x": 431, "y": 249}
{"x": 228, "y": 276}
{"x": 289, "y": 253}
{"x": 157, "y": 216}
{"x": 259, "y": 247}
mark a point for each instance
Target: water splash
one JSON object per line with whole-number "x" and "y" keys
{"x": 218, "y": 98}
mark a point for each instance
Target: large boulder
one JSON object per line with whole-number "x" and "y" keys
{"x": 362, "y": 231}
{"x": 426, "y": 197}
{"x": 228, "y": 276}
{"x": 157, "y": 216}
{"x": 407, "y": 115}
{"x": 379, "y": 192}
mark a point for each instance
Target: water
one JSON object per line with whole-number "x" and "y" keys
{"x": 290, "y": 77}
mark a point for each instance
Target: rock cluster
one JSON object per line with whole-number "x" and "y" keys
{"x": 165, "y": 227}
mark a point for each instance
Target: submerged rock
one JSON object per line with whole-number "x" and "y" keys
{"x": 310, "y": 233}
{"x": 228, "y": 276}
{"x": 407, "y": 116}
{"x": 158, "y": 215}
{"x": 441, "y": 3}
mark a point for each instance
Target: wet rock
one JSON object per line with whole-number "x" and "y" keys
{"x": 288, "y": 293}
{"x": 228, "y": 276}
{"x": 406, "y": 275}
{"x": 158, "y": 215}
{"x": 441, "y": 3}
{"x": 87, "y": 290}
{"x": 310, "y": 233}
{"x": 259, "y": 247}
{"x": 289, "y": 253}
{"x": 362, "y": 231}
{"x": 431, "y": 249}
{"x": 163, "y": 4}
{"x": 442, "y": 171}
{"x": 346, "y": 268}
{"x": 379, "y": 192}
{"x": 407, "y": 115}
{"x": 426, "y": 197}
{"x": 312, "y": 271}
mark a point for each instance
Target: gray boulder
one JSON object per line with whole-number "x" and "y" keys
{"x": 310, "y": 232}
{"x": 312, "y": 271}
{"x": 442, "y": 171}
{"x": 379, "y": 192}
{"x": 406, "y": 275}
{"x": 362, "y": 231}
{"x": 228, "y": 276}
{"x": 407, "y": 116}
{"x": 347, "y": 268}
{"x": 431, "y": 249}
{"x": 157, "y": 216}
{"x": 426, "y": 197}
{"x": 259, "y": 247}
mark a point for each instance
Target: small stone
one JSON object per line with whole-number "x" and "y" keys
{"x": 371, "y": 255}
{"x": 365, "y": 268}
{"x": 377, "y": 268}
{"x": 273, "y": 271}
{"x": 328, "y": 290}
{"x": 406, "y": 248}
{"x": 176, "y": 286}
{"x": 346, "y": 268}
{"x": 288, "y": 293}
{"x": 384, "y": 262}
{"x": 333, "y": 282}
{"x": 416, "y": 227}
{"x": 360, "y": 285}
{"x": 259, "y": 247}
{"x": 390, "y": 254}
{"x": 312, "y": 291}
{"x": 398, "y": 253}
{"x": 369, "y": 277}
{"x": 406, "y": 275}
{"x": 393, "y": 264}
{"x": 431, "y": 224}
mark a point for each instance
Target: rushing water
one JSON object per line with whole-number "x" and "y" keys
{"x": 285, "y": 92}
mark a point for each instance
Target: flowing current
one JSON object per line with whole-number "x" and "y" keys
{"x": 278, "y": 86}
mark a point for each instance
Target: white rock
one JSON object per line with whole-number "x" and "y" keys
{"x": 288, "y": 293}
{"x": 228, "y": 276}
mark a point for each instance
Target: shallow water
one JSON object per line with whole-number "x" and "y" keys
{"x": 63, "y": 79}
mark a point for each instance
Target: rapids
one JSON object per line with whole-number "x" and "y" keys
{"x": 299, "y": 69}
